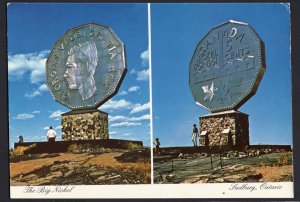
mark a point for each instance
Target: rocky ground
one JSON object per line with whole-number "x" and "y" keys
{"x": 197, "y": 168}
{"x": 81, "y": 168}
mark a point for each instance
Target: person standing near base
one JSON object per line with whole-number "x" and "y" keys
{"x": 195, "y": 135}
{"x": 157, "y": 144}
{"x": 21, "y": 140}
{"x": 51, "y": 135}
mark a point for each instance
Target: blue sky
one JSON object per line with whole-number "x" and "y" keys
{"x": 176, "y": 30}
{"x": 32, "y": 31}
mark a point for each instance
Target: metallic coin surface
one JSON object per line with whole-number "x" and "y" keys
{"x": 227, "y": 67}
{"x": 86, "y": 66}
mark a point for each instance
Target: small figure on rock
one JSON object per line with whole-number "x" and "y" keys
{"x": 157, "y": 144}
{"x": 195, "y": 135}
{"x": 21, "y": 140}
{"x": 51, "y": 135}
{"x": 181, "y": 156}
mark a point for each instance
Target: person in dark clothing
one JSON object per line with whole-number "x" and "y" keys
{"x": 21, "y": 140}
{"x": 157, "y": 144}
{"x": 195, "y": 135}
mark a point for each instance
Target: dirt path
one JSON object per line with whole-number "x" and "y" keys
{"x": 275, "y": 173}
{"x": 24, "y": 167}
{"x": 105, "y": 160}
{"x": 83, "y": 168}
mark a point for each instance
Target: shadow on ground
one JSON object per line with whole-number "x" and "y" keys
{"x": 201, "y": 168}
{"x": 82, "y": 168}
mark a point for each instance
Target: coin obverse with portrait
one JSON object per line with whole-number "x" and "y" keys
{"x": 86, "y": 66}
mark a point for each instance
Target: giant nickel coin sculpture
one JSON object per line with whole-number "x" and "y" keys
{"x": 86, "y": 66}
{"x": 227, "y": 66}
{"x": 224, "y": 72}
{"x": 84, "y": 70}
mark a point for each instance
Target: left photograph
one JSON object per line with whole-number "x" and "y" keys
{"x": 79, "y": 98}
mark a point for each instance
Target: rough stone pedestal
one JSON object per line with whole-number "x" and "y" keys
{"x": 203, "y": 138}
{"x": 84, "y": 125}
{"x": 224, "y": 128}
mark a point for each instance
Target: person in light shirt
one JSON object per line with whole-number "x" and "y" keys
{"x": 51, "y": 135}
{"x": 195, "y": 135}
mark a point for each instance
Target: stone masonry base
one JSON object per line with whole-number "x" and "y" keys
{"x": 224, "y": 128}
{"x": 84, "y": 125}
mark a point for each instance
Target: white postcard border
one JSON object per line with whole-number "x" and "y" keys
{"x": 213, "y": 190}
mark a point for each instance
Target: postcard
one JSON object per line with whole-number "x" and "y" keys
{"x": 133, "y": 100}
{"x": 230, "y": 66}
{"x": 222, "y": 110}
{"x": 79, "y": 94}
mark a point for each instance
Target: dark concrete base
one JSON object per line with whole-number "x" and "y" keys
{"x": 224, "y": 128}
{"x": 62, "y": 146}
{"x": 217, "y": 149}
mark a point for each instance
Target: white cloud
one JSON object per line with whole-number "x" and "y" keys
{"x": 129, "y": 119}
{"x": 117, "y": 118}
{"x": 33, "y": 94}
{"x": 24, "y": 116}
{"x": 58, "y": 127}
{"x": 130, "y": 90}
{"x": 113, "y": 132}
{"x": 126, "y": 134}
{"x": 133, "y": 71}
{"x": 145, "y": 57}
{"x": 46, "y": 128}
{"x": 117, "y": 104}
{"x": 143, "y": 75}
{"x": 125, "y": 124}
{"x": 144, "y": 117}
{"x": 43, "y": 87}
{"x": 34, "y": 63}
{"x": 56, "y": 114}
{"x": 123, "y": 93}
{"x": 133, "y": 89}
{"x": 33, "y": 138}
{"x": 140, "y": 108}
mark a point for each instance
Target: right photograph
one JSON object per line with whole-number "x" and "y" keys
{"x": 221, "y": 93}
